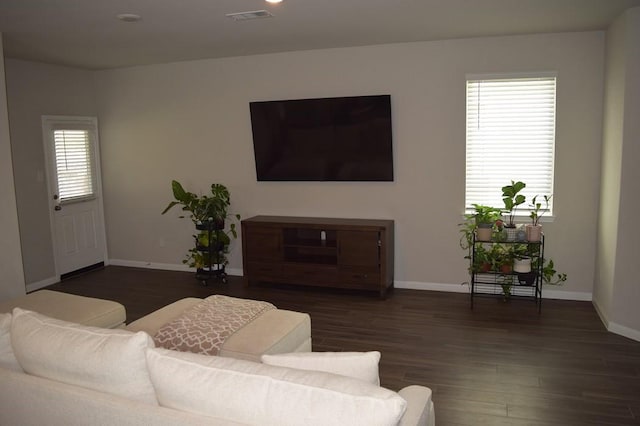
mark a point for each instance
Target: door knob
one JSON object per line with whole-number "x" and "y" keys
{"x": 55, "y": 196}
{"x": 57, "y": 208}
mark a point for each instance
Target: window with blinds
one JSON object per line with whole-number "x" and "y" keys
{"x": 510, "y": 136}
{"x": 74, "y": 164}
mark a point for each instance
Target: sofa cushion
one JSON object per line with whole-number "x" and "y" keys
{"x": 70, "y": 307}
{"x": 111, "y": 361}
{"x": 7, "y": 358}
{"x": 258, "y": 394}
{"x": 359, "y": 365}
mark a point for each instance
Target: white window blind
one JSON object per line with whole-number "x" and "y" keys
{"x": 74, "y": 164}
{"x": 510, "y": 136}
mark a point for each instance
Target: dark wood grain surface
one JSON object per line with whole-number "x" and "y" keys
{"x": 500, "y": 364}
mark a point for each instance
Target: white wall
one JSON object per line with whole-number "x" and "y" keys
{"x": 34, "y": 90}
{"x": 616, "y": 293}
{"x": 11, "y": 271}
{"x": 190, "y": 121}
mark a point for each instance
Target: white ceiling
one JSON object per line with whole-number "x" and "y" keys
{"x": 86, "y": 33}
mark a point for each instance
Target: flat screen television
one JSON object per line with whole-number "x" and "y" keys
{"x": 328, "y": 139}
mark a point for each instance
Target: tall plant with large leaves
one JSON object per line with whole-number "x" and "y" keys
{"x": 512, "y": 199}
{"x": 201, "y": 208}
{"x": 206, "y": 212}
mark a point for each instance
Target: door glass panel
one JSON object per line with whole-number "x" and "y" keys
{"x": 74, "y": 165}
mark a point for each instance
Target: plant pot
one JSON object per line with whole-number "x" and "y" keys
{"x": 512, "y": 233}
{"x": 506, "y": 269}
{"x": 213, "y": 225}
{"x": 522, "y": 265}
{"x": 483, "y": 233}
{"x": 534, "y": 233}
{"x": 527, "y": 278}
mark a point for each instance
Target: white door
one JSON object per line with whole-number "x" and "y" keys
{"x": 73, "y": 168}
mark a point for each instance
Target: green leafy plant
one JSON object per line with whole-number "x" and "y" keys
{"x": 536, "y": 209}
{"x": 512, "y": 199}
{"x": 199, "y": 258}
{"x": 206, "y": 211}
{"x": 502, "y": 256}
{"x": 503, "y": 253}
{"x": 506, "y": 282}
{"x": 485, "y": 215}
{"x": 549, "y": 274}
{"x": 201, "y": 208}
{"x": 481, "y": 260}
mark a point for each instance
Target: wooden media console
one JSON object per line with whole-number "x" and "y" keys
{"x": 326, "y": 252}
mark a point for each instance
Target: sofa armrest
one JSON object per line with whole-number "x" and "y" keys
{"x": 419, "y": 406}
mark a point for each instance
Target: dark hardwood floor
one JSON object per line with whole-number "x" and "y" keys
{"x": 500, "y": 364}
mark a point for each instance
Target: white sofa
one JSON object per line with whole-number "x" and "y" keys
{"x": 59, "y": 373}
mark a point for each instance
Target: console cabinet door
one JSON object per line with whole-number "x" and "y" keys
{"x": 263, "y": 244}
{"x": 263, "y": 253}
{"x": 359, "y": 248}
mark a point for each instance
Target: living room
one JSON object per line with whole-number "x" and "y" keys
{"x": 159, "y": 118}
{"x": 190, "y": 121}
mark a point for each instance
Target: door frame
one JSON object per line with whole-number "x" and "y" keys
{"x": 47, "y": 121}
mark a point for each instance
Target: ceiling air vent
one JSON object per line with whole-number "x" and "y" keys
{"x": 254, "y": 14}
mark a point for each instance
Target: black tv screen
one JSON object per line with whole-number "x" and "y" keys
{"x": 328, "y": 139}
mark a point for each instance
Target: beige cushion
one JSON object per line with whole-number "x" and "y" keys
{"x": 155, "y": 320}
{"x": 7, "y": 358}
{"x": 275, "y": 331}
{"x": 359, "y": 365}
{"x": 419, "y": 406}
{"x": 70, "y": 307}
{"x": 111, "y": 361}
{"x": 258, "y": 394}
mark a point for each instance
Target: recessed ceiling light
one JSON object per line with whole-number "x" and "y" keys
{"x": 274, "y": 1}
{"x": 129, "y": 17}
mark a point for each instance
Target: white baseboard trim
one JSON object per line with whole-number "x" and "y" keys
{"x": 165, "y": 266}
{"x": 417, "y": 285}
{"x": 624, "y": 331}
{"x": 412, "y": 285}
{"x": 42, "y": 284}
{"x": 601, "y": 314}
{"x": 615, "y": 327}
{"x": 464, "y": 288}
{"x": 566, "y": 295}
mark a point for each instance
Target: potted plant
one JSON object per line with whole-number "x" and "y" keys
{"x": 534, "y": 230}
{"x": 208, "y": 213}
{"x": 485, "y": 218}
{"x": 481, "y": 260}
{"x": 204, "y": 208}
{"x": 512, "y": 199}
{"x": 506, "y": 282}
{"x": 502, "y": 256}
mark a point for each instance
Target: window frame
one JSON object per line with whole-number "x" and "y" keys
{"x": 523, "y": 210}
{"x": 51, "y": 124}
